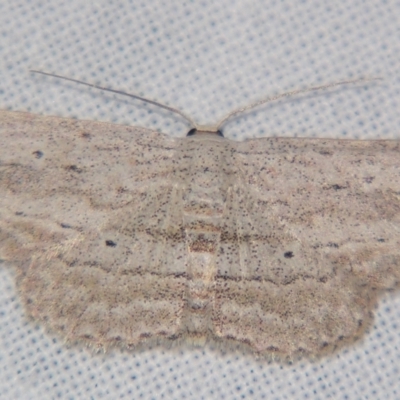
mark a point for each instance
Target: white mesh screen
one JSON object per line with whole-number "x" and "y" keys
{"x": 204, "y": 58}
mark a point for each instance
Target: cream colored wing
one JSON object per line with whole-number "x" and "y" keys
{"x": 92, "y": 216}
{"x": 80, "y": 215}
{"x": 314, "y": 237}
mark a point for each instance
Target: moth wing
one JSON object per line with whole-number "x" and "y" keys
{"x": 313, "y": 235}
{"x": 79, "y": 221}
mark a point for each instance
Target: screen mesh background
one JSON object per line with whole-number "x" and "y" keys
{"x": 204, "y": 58}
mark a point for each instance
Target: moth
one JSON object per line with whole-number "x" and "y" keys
{"x": 122, "y": 235}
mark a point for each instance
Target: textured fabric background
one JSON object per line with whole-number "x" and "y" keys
{"x": 204, "y": 58}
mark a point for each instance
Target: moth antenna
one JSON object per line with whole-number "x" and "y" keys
{"x": 231, "y": 114}
{"x": 156, "y": 103}
{"x": 290, "y": 94}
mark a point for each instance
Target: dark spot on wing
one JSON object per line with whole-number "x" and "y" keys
{"x": 73, "y": 168}
{"x": 336, "y": 187}
{"x": 331, "y": 244}
{"x": 369, "y": 179}
{"x": 38, "y": 154}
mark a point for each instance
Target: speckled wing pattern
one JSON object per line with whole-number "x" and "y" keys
{"x": 121, "y": 235}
